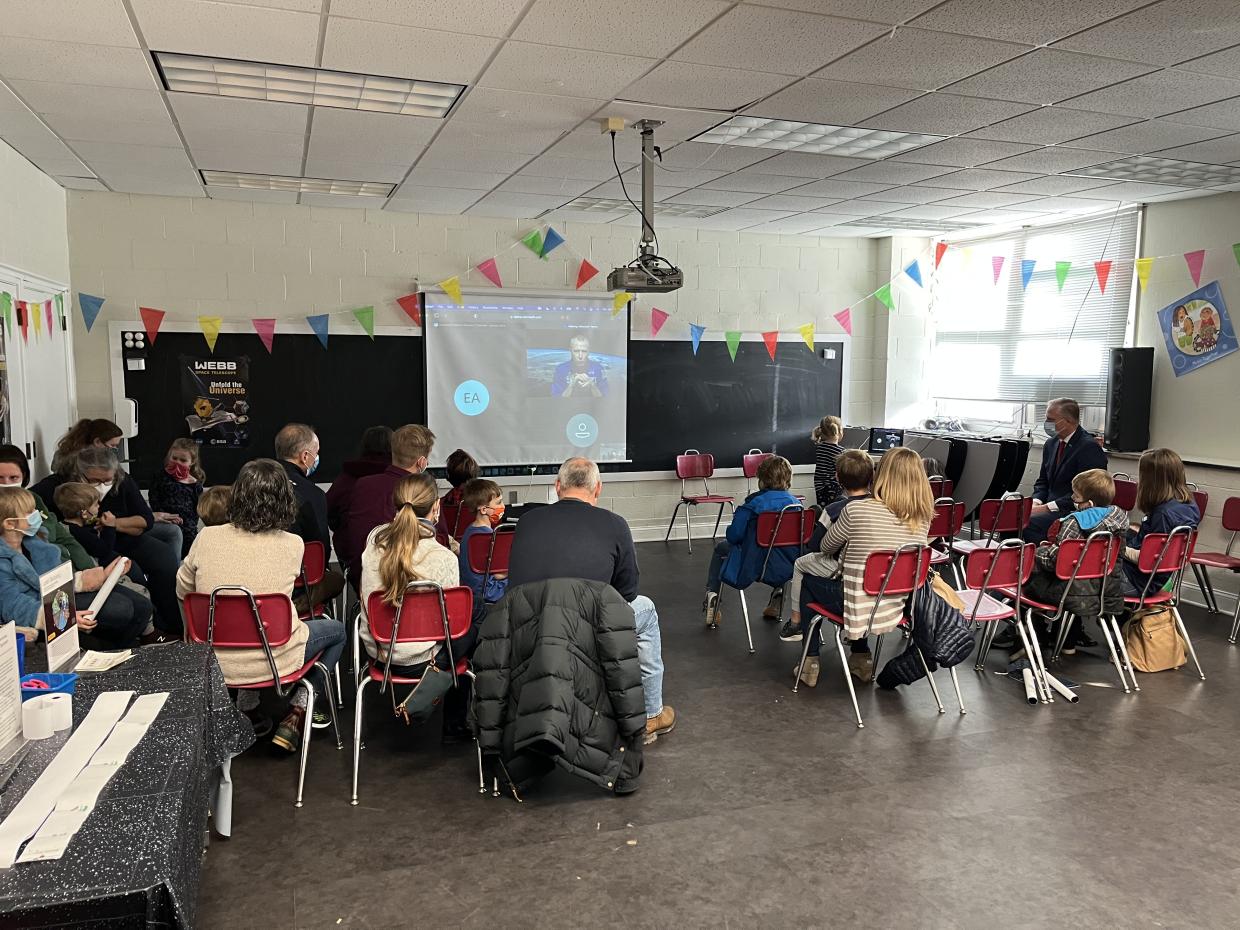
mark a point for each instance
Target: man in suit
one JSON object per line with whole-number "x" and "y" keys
{"x": 1069, "y": 451}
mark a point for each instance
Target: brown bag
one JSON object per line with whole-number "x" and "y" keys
{"x": 945, "y": 591}
{"x": 1154, "y": 643}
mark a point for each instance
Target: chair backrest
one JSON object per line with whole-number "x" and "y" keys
{"x": 456, "y": 518}
{"x": 751, "y": 460}
{"x": 941, "y": 487}
{"x": 948, "y": 518}
{"x": 1007, "y": 565}
{"x": 1088, "y": 559}
{"x": 421, "y": 616}
{"x": 313, "y": 563}
{"x": 694, "y": 464}
{"x": 1231, "y": 514}
{"x": 791, "y": 526}
{"x": 902, "y": 571}
{"x": 1007, "y": 514}
{"x": 1125, "y": 492}
{"x": 231, "y": 617}
{"x": 1165, "y": 552}
{"x": 489, "y": 553}
{"x": 1201, "y": 498}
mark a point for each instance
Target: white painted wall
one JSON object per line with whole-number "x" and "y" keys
{"x": 33, "y": 236}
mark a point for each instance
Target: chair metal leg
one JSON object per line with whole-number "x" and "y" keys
{"x": 878, "y": 651}
{"x": 956, "y": 684}
{"x": 675, "y": 510}
{"x": 1179, "y": 622}
{"x": 482, "y": 782}
{"x": 339, "y": 686}
{"x": 718, "y": 520}
{"x": 1203, "y": 583}
{"x": 1039, "y": 661}
{"x": 745, "y": 613}
{"x": 983, "y": 647}
{"x": 331, "y": 705}
{"x": 1123, "y": 648}
{"x": 930, "y": 678}
{"x": 688, "y": 529}
{"x": 852, "y": 692}
{"x": 357, "y": 736}
{"x": 1106, "y": 634}
{"x": 1235, "y": 622}
{"x": 305, "y": 738}
{"x": 1028, "y": 639}
{"x": 1065, "y": 625}
{"x": 811, "y": 628}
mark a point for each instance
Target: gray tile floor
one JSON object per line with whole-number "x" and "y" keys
{"x": 771, "y": 809}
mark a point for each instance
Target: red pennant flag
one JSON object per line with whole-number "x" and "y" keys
{"x": 412, "y": 305}
{"x": 266, "y": 330}
{"x": 657, "y": 319}
{"x": 771, "y": 340}
{"x": 491, "y": 271}
{"x": 939, "y": 249}
{"x": 151, "y": 320}
{"x": 996, "y": 263}
{"x": 585, "y": 273}
{"x": 844, "y": 318}
{"x": 1194, "y": 261}
{"x": 47, "y": 313}
{"x": 1103, "y": 271}
{"x": 23, "y": 317}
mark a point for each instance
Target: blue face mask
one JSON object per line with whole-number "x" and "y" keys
{"x": 1049, "y": 428}
{"x": 35, "y": 523}
{"x": 313, "y": 466}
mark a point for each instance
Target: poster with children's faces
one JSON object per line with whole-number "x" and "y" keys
{"x": 1197, "y": 329}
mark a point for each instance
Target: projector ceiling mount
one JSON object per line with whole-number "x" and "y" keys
{"x": 648, "y": 272}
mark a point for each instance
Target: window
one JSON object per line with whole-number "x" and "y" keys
{"x": 1010, "y": 343}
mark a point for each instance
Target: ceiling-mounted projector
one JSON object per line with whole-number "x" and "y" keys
{"x": 648, "y": 273}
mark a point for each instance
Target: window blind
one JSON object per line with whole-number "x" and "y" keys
{"x": 1008, "y": 342}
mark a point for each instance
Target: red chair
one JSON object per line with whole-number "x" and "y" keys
{"x": 1008, "y": 514}
{"x": 695, "y": 465}
{"x": 749, "y": 465}
{"x": 1202, "y": 562}
{"x": 888, "y": 575}
{"x": 313, "y": 570}
{"x": 1161, "y": 553}
{"x": 489, "y": 553}
{"x": 948, "y": 520}
{"x": 456, "y": 519}
{"x": 1125, "y": 491}
{"x": 1007, "y": 567}
{"x": 426, "y": 613}
{"x": 243, "y": 620}
{"x": 791, "y": 526}
{"x": 941, "y": 487}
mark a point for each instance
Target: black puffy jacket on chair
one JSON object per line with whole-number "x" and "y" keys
{"x": 559, "y": 683}
{"x": 941, "y": 633}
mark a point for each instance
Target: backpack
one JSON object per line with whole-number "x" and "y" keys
{"x": 1153, "y": 642}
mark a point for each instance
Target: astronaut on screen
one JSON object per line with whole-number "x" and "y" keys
{"x": 580, "y": 376}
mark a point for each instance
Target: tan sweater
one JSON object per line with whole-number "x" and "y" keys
{"x": 264, "y": 563}
{"x": 431, "y": 562}
{"x": 866, "y": 526}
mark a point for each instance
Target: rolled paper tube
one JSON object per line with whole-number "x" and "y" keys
{"x": 1071, "y": 696}
{"x": 62, "y": 711}
{"x": 37, "y": 718}
{"x": 1031, "y": 693}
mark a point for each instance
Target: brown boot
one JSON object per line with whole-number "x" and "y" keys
{"x": 661, "y": 725}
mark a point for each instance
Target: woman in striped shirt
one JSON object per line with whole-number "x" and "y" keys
{"x": 826, "y": 435}
{"x": 898, "y": 514}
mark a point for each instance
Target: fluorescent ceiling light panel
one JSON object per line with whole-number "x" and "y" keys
{"x": 605, "y": 205}
{"x": 275, "y": 182}
{"x": 1168, "y": 171}
{"x": 900, "y": 222}
{"x": 255, "y": 80}
{"x": 816, "y": 138}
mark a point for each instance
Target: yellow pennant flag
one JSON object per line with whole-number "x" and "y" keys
{"x": 452, "y": 287}
{"x": 36, "y": 311}
{"x": 619, "y": 301}
{"x": 210, "y": 329}
{"x": 807, "y": 333}
{"x": 1143, "y": 271}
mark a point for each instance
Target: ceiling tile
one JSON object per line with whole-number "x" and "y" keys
{"x": 1224, "y": 64}
{"x": 529, "y": 184}
{"x": 251, "y": 152}
{"x": 180, "y": 186}
{"x": 809, "y": 165}
{"x": 226, "y": 114}
{"x": 588, "y": 144}
{"x": 680, "y": 177}
{"x": 103, "y": 129}
{"x": 574, "y": 169}
{"x": 568, "y": 72}
{"x": 981, "y": 179}
{"x": 1069, "y": 205}
{"x": 412, "y": 198}
{"x": 1047, "y": 76}
{"x": 832, "y": 103}
{"x": 930, "y": 212}
{"x": 786, "y": 41}
{"x": 97, "y": 22}
{"x": 197, "y": 27}
{"x": 477, "y": 17}
{"x": 1158, "y": 94}
{"x": 920, "y": 59}
{"x": 651, "y": 28}
{"x": 348, "y": 201}
{"x": 611, "y": 190}
{"x": 1050, "y": 125}
{"x": 790, "y": 225}
{"x": 1222, "y": 115}
{"x": 987, "y": 199}
{"x": 384, "y": 137}
{"x": 700, "y": 155}
{"x": 682, "y": 84}
{"x": 704, "y": 197}
{"x": 863, "y": 206}
{"x": 754, "y": 181}
{"x": 912, "y": 194}
{"x": 80, "y": 184}
{"x": 99, "y": 65}
{"x": 350, "y": 169}
{"x": 963, "y": 152}
{"x": 1163, "y": 33}
{"x": 529, "y": 140}
{"x": 1134, "y": 191}
{"x": 1001, "y": 217}
{"x": 499, "y": 109}
{"x": 678, "y": 124}
{"x": 472, "y": 160}
{"x": 523, "y": 206}
{"x": 945, "y": 114}
{"x": 1050, "y": 160}
{"x": 465, "y": 180}
{"x": 743, "y": 217}
{"x": 80, "y": 100}
{"x": 1036, "y": 22}
{"x": 404, "y": 51}
{"x": 1145, "y": 137}
{"x": 1222, "y": 151}
{"x": 833, "y": 188}
{"x": 796, "y": 204}
{"x": 133, "y": 157}
{"x": 879, "y": 11}
{"x": 1053, "y": 185}
{"x": 892, "y": 172}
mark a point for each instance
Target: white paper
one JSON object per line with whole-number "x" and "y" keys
{"x": 1071, "y": 696}
{"x": 1031, "y": 693}
{"x": 61, "y": 706}
{"x": 92, "y": 661}
{"x": 62, "y": 650}
{"x": 102, "y": 595}
{"x": 10, "y": 687}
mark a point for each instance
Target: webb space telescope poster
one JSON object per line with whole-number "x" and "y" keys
{"x": 215, "y": 396}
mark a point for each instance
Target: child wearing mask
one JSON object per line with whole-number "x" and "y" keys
{"x": 79, "y": 503}
{"x": 485, "y": 499}
{"x": 175, "y": 490}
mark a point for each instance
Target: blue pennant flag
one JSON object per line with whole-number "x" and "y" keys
{"x": 319, "y": 325}
{"x": 695, "y": 332}
{"x": 90, "y": 308}
{"x": 551, "y": 241}
{"x": 1026, "y": 272}
{"x": 914, "y": 272}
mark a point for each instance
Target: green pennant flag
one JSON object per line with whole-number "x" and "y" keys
{"x": 1061, "y": 273}
{"x": 533, "y": 242}
{"x": 6, "y": 307}
{"x": 366, "y": 316}
{"x": 884, "y": 295}
{"x": 60, "y": 309}
{"x": 1236, "y": 249}
{"x": 733, "y": 339}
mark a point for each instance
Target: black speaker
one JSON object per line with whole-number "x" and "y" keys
{"x": 1129, "y": 385}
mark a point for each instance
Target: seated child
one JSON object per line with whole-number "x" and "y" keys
{"x": 1092, "y": 494}
{"x": 855, "y": 471}
{"x": 213, "y": 505}
{"x": 485, "y": 500}
{"x": 461, "y": 468}
{"x": 738, "y": 558}
{"x": 175, "y": 490}
{"x": 80, "y": 505}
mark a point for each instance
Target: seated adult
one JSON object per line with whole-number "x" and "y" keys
{"x": 297, "y": 447}
{"x": 402, "y": 551}
{"x": 575, "y": 538}
{"x": 256, "y": 552}
{"x": 1069, "y": 451}
{"x": 461, "y": 468}
{"x": 82, "y": 434}
{"x": 15, "y": 473}
{"x": 1163, "y": 496}
{"x": 738, "y": 559}
{"x": 898, "y": 514}
{"x": 374, "y": 456}
{"x": 372, "y": 503}
{"x": 25, "y": 555}
{"x": 154, "y": 548}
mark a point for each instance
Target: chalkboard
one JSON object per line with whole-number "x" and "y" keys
{"x": 358, "y": 382}
{"x": 678, "y": 400}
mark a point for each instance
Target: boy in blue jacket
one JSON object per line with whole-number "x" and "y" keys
{"x": 738, "y": 559}
{"x": 485, "y": 500}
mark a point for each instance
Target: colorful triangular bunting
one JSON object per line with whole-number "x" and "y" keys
{"x": 6, "y": 310}
{"x": 1194, "y": 260}
{"x": 533, "y": 241}
{"x": 35, "y": 311}
{"x": 1061, "y": 273}
{"x": 210, "y": 326}
{"x": 266, "y": 329}
{"x": 884, "y": 295}
{"x": 844, "y": 318}
{"x": 996, "y": 265}
{"x": 1103, "y": 270}
{"x": 1026, "y": 272}
{"x": 1235, "y": 250}
{"x": 807, "y": 333}
{"x": 319, "y": 323}
{"x": 366, "y": 316}
{"x": 914, "y": 272}
{"x": 60, "y": 309}
{"x": 772, "y": 342}
{"x": 1143, "y": 271}
{"x": 490, "y": 271}
{"x": 940, "y": 249}
{"x": 23, "y": 319}
{"x": 412, "y": 305}
{"x": 657, "y": 319}
{"x": 584, "y": 273}
{"x": 90, "y": 306}
{"x": 619, "y": 301}
{"x": 695, "y": 333}
{"x": 452, "y": 287}
{"x": 552, "y": 240}
{"x": 47, "y": 316}
{"x": 151, "y": 321}
{"x": 733, "y": 338}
